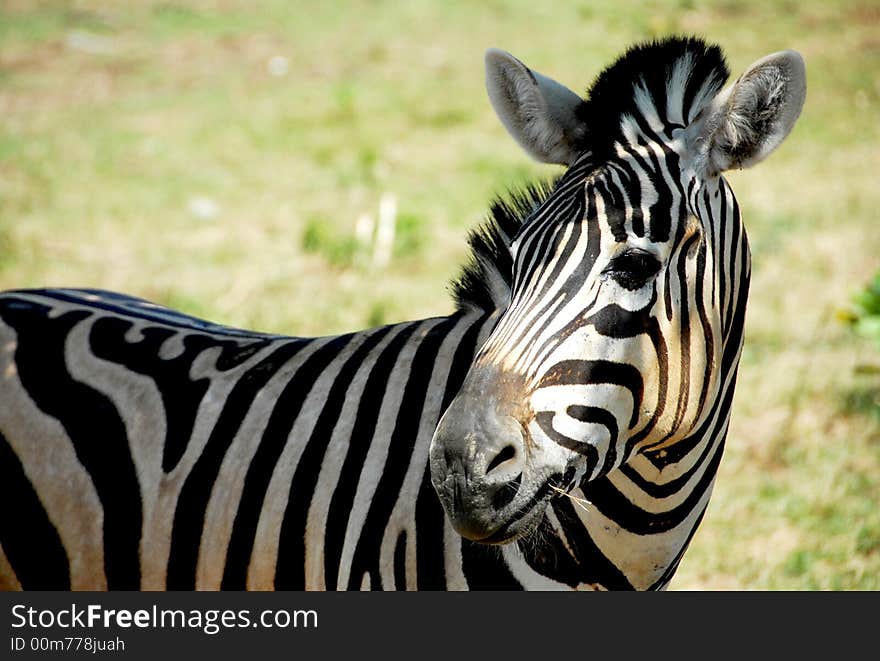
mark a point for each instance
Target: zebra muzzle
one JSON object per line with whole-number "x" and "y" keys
{"x": 477, "y": 463}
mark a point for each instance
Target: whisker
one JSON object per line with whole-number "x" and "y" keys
{"x": 583, "y": 503}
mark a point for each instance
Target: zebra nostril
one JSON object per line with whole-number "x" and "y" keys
{"x": 506, "y": 454}
{"x": 506, "y": 493}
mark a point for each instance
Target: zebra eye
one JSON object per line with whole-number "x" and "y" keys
{"x": 633, "y": 268}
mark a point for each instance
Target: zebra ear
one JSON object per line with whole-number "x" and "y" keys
{"x": 538, "y": 112}
{"x": 751, "y": 118}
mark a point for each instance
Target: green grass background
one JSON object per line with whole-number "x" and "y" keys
{"x": 118, "y": 120}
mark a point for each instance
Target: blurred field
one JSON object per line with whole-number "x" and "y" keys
{"x": 215, "y": 157}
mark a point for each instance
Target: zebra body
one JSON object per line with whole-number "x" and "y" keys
{"x": 251, "y": 441}
{"x": 570, "y": 414}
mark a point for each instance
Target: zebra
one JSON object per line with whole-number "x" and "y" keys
{"x": 560, "y": 429}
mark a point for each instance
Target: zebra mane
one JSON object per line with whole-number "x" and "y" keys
{"x": 676, "y": 76}
{"x": 484, "y": 282}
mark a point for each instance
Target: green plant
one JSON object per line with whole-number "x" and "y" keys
{"x": 865, "y": 315}
{"x": 320, "y": 238}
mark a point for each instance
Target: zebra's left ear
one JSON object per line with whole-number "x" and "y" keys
{"x": 751, "y": 118}
{"x": 538, "y": 112}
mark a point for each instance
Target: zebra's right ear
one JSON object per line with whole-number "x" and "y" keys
{"x": 538, "y": 112}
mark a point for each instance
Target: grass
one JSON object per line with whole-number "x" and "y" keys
{"x": 216, "y": 156}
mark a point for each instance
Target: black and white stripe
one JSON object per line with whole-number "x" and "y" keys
{"x": 600, "y": 320}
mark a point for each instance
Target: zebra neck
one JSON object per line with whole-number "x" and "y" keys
{"x": 630, "y": 528}
{"x": 644, "y": 514}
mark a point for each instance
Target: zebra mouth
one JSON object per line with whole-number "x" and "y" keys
{"x": 527, "y": 517}
{"x": 520, "y": 527}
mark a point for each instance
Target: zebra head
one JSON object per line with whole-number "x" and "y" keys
{"x": 623, "y": 322}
